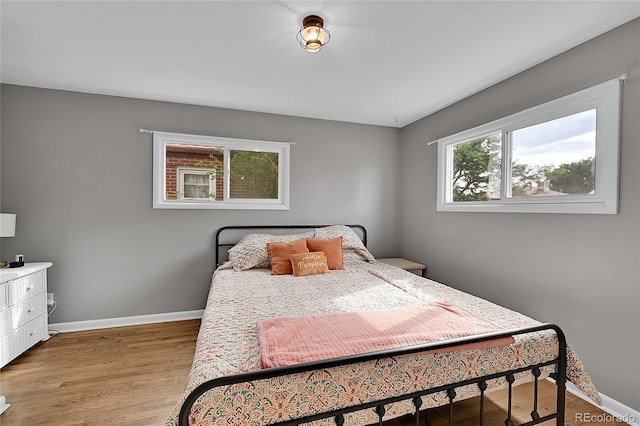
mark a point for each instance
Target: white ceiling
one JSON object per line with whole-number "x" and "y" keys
{"x": 388, "y": 62}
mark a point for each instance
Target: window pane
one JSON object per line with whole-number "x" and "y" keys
{"x": 253, "y": 174}
{"x": 196, "y": 191}
{"x": 476, "y": 169}
{"x": 199, "y": 179}
{"x": 556, "y": 157}
{"x": 192, "y": 156}
{"x": 198, "y": 185}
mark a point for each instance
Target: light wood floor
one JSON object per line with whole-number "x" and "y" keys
{"x": 134, "y": 376}
{"x": 117, "y": 376}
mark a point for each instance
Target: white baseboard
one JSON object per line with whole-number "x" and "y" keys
{"x": 617, "y": 410}
{"x": 67, "y": 327}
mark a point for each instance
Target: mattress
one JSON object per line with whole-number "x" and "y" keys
{"x": 228, "y": 343}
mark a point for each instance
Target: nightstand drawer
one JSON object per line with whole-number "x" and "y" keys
{"x": 24, "y": 288}
{"x": 408, "y": 265}
{"x": 21, "y": 314}
{"x": 21, "y": 339}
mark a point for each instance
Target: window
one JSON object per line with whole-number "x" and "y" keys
{"x": 205, "y": 172}
{"x": 196, "y": 184}
{"x": 558, "y": 157}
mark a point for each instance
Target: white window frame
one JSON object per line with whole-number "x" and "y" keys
{"x": 605, "y": 98}
{"x": 162, "y": 139}
{"x": 210, "y": 173}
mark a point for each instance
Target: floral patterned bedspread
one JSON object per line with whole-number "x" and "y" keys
{"x": 228, "y": 343}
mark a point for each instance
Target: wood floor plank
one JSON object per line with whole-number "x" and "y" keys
{"x": 134, "y": 376}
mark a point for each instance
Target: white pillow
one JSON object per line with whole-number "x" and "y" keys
{"x": 352, "y": 245}
{"x": 251, "y": 250}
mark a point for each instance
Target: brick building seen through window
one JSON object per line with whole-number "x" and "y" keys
{"x": 195, "y": 172}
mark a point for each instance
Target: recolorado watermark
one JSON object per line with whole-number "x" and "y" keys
{"x": 603, "y": 418}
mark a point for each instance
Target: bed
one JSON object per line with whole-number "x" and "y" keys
{"x": 231, "y": 383}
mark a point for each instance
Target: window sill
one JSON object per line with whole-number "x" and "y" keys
{"x": 593, "y": 207}
{"x": 220, "y": 205}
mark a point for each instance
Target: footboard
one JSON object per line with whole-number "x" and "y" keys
{"x": 338, "y": 413}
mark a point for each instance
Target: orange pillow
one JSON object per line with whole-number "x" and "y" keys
{"x": 280, "y": 255}
{"x": 331, "y": 248}
{"x": 311, "y": 263}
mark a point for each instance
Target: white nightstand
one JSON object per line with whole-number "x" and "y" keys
{"x": 23, "y": 309}
{"x": 407, "y": 265}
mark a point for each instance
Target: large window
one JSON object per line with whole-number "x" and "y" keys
{"x": 205, "y": 172}
{"x": 558, "y": 157}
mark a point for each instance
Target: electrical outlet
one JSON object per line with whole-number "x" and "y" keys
{"x": 50, "y": 301}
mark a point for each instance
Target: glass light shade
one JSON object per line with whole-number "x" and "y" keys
{"x": 313, "y": 46}
{"x": 7, "y": 225}
{"x": 315, "y": 33}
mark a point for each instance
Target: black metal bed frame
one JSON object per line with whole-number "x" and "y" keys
{"x": 360, "y": 228}
{"x": 560, "y": 375}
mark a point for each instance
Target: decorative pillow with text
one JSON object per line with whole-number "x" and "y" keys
{"x": 311, "y": 263}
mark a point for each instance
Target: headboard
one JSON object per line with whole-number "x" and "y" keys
{"x": 228, "y": 236}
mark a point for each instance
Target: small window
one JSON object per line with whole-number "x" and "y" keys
{"x": 559, "y": 157}
{"x": 204, "y": 172}
{"x": 196, "y": 184}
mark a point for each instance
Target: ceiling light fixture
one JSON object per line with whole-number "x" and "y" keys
{"x": 312, "y": 36}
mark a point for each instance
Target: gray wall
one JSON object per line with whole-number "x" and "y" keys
{"x": 78, "y": 173}
{"x": 579, "y": 271}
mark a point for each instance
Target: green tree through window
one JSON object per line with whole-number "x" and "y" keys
{"x": 476, "y": 169}
{"x": 574, "y": 178}
{"x": 254, "y": 174}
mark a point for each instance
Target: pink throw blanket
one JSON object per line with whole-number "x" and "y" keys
{"x": 293, "y": 340}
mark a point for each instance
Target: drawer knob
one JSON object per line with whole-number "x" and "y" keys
{"x": 30, "y": 310}
{"x": 31, "y": 334}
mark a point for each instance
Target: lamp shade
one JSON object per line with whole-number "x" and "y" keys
{"x": 7, "y": 225}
